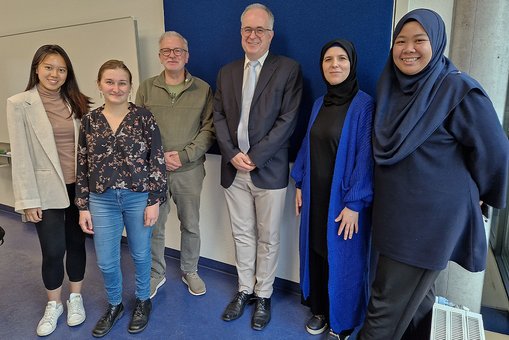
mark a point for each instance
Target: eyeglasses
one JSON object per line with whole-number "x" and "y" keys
{"x": 259, "y": 31}
{"x": 167, "y": 51}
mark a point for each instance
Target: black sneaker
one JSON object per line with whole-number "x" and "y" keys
{"x": 106, "y": 322}
{"x": 141, "y": 313}
{"x": 317, "y": 324}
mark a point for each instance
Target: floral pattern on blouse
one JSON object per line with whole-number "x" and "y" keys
{"x": 131, "y": 158}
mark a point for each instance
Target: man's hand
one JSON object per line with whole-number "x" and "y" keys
{"x": 172, "y": 160}
{"x": 242, "y": 162}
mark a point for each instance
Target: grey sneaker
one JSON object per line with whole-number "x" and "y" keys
{"x": 195, "y": 284}
{"x": 155, "y": 284}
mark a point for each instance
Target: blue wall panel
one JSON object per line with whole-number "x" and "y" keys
{"x": 301, "y": 28}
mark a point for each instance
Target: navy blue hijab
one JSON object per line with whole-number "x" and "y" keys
{"x": 411, "y": 107}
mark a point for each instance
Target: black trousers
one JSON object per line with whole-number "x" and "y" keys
{"x": 59, "y": 232}
{"x": 401, "y": 302}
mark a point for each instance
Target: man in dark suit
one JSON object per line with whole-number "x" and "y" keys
{"x": 255, "y": 112}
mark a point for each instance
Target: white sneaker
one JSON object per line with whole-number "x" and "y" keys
{"x": 49, "y": 321}
{"x": 75, "y": 310}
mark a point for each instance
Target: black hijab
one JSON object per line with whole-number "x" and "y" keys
{"x": 411, "y": 107}
{"x": 344, "y": 92}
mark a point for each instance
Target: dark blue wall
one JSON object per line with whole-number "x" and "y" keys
{"x": 301, "y": 28}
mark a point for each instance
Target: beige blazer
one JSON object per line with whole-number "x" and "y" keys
{"x": 37, "y": 176}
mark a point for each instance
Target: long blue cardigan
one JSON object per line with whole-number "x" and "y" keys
{"x": 352, "y": 187}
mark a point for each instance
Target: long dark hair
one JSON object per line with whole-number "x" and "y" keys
{"x": 70, "y": 92}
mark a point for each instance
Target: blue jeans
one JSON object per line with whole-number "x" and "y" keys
{"x": 110, "y": 211}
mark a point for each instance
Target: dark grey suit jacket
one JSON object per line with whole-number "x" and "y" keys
{"x": 272, "y": 119}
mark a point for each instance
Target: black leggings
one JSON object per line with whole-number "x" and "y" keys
{"x": 59, "y": 232}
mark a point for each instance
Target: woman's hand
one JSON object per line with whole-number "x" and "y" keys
{"x": 33, "y": 214}
{"x": 349, "y": 223}
{"x": 86, "y": 222}
{"x": 151, "y": 214}
{"x": 298, "y": 201}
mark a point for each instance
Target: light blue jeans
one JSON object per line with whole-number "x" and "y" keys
{"x": 110, "y": 211}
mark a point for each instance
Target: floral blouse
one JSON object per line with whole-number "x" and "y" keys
{"x": 131, "y": 158}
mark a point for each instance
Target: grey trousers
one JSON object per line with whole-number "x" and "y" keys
{"x": 402, "y": 298}
{"x": 185, "y": 189}
{"x": 255, "y": 216}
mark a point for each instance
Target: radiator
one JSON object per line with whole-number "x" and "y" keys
{"x": 452, "y": 322}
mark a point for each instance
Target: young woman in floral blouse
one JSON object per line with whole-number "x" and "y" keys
{"x": 120, "y": 182}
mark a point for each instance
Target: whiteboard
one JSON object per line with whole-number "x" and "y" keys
{"x": 88, "y": 45}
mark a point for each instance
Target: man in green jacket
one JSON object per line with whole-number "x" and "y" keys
{"x": 182, "y": 106}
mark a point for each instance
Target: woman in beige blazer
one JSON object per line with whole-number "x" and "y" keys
{"x": 43, "y": 125}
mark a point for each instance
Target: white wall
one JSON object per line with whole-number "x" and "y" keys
{"x": 443, "y": 7}
{"x": 217, "y": 243}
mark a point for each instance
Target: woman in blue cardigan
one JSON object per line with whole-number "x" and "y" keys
{"x": 333, "y": 175}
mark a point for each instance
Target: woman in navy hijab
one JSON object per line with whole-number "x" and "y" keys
{"x": 439, "y": 150}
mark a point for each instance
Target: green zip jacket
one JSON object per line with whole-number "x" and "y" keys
{"x": 185, "y": 121}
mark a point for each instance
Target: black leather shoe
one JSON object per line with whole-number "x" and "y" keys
{"x": 261, "y": 316}
{"x": 236, "y": 307}
{"x": 141, "y": 313}
{"x": 106, "y": 322}
{"x": 317, "y": 324}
